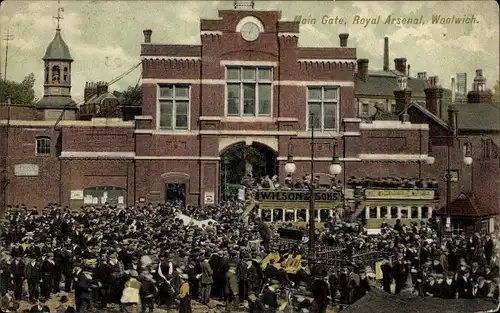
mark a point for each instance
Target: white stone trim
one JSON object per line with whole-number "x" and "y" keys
{"x": 248, "y": 19}
{"x": 287, "y": 119}
{"x": 168, "y": 57}
{"x": 328, "y": 60}
{"x": 99, "y": 122}
{"x": 314, "y": 83}
{"x": 326, "y": 134}
{"x": 248, "y": 119}
{"x": 143, "y": 117}
{"x": 177, "y": 158}
{"x": 155, "y": 81}
{"x": 223, "y": 82}
{"x": 319, "y": 159}
{"x": 210, "y": 32}
{"x": 143, "y": 131}
{"x": 289, "y": 34}
{"x": 392, "y": 125}
{"x": 393, "y": 157}
{"x": 226, "y": 132}
{"x": 210, "y": 118}
{"x": 351, "y": 120}
{"x": 97, "y": 155}
{"x": 248, "y": 63}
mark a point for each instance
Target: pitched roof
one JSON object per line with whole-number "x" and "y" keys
{"x": 57, "y": 50}
{"x": 383, "y": 115}
{"x": 98, "y": 99}
{"x": 475, "y": 116}
{"x": 420, "y": 105}
{"x": 383, "y": 83}
{"x": 465, "y": 205}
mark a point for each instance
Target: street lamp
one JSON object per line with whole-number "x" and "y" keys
{"x": 334, "y": 169}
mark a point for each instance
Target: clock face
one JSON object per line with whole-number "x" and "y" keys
{"x": 250, "y": 31}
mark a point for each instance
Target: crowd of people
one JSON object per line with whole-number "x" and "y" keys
{"x": 144, "y": 257}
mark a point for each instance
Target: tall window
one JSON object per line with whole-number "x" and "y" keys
{"x": 322, "y": 102}
{"x": 486, "y": 148}
{"x": 174, "y": 103}
{"x": 249, "y": 91}
{"x": 42, "y": 146}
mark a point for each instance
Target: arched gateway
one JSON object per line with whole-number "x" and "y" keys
{"x": 244, "y": 160}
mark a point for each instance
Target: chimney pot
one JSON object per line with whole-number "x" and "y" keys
{"x": 386, "y": 54}
{"x": 363, "y": 68}
{"x": 147, "y": 35}
{"x": 400, "y": 65}
{"x": 343, "y": 39}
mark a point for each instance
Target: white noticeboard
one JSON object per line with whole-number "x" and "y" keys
{"x": 492, "y": 225}
{"x": 241, "y": 194}
{"x": 209, "y": 197}
{"x": 120, "y": 200}
{"x": 88, "y": 199}
{"x": 26, "y": 170}
{"x": 95, "y": 200}
{"x": 76, "y": 195}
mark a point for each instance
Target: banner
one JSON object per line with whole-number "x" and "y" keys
{"x": 297, "y": 196}
{"x": 399, "y": 194}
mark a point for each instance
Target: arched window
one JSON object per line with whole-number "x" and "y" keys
{"x": 56, "y": 74}
{"x": 46, "y": 75}
{"x": 65, "y": 75}
{"x": 42, "y": 146}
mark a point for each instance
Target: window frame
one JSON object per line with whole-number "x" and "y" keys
{"x": 256, "y": 82}
{"x": 159, "y": 98}
{"x": 322, "y": 102}
{"x": 43, "y": 139}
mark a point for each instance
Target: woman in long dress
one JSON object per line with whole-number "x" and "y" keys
{"x": 185, "y": 298}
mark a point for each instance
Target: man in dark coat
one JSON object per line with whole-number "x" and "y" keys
{"x": 17, "y": 271}
{"x": 33, "y": 274}
{"x": 206, "y": 280}
{"x": 364, "y": 285}
{"x": 83, "y": 292}
{"x": 333, "y": 281}
{"x": 265, "y": 233}
{"x": 321, "y": 291}
{"x": 399, "y": 273}
{"x": 148, "y": 293}
{"x": 344, "y": 287}
{"x": 488, "y": 250}
{"x": 386, "y": 269}
{"x": 48, "y": 272}
{"x": 232, "y": 289}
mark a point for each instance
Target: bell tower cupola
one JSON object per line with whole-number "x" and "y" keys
{"x": 57, "y": 77}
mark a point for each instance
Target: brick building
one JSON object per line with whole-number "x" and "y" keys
{"x": 247, "y": 82}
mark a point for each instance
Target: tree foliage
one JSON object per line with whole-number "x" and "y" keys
{"x": 496, "y": 92}
{"x": 20, "y": 92}
{"x": 132, "y": 96}
{"x": 237, "y": 156}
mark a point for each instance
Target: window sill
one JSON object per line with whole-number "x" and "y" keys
{"x": 247, "y": 119}
{"x": 43, "y": 155}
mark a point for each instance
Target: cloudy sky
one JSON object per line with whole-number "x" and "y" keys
{"x": 105, "y": 36}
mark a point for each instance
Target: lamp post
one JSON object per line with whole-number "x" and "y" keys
{"x": 226, "y": 163}
{"x": 467, "y": 159}
{"x": 334, "y": 169}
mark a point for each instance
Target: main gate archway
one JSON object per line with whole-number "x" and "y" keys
{"x": 241, "y": 160}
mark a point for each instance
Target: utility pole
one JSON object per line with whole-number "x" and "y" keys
{"x": 7, "y": 38}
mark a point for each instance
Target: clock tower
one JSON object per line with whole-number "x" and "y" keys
{"x": 56, "y": 101}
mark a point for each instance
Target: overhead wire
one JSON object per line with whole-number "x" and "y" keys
{"x": 118, "y": 78}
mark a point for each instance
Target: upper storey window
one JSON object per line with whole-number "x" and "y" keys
{"x": 173, "y": 107}
{"x": 42, "y": 146}
{"x": 249, "y": 91}
{"x": 322, "y": 108}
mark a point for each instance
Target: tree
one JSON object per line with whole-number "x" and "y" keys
{"x": 132, "y": 96}
{"x": 496, "y": 92}
{"x": 20, "y": 93}
{"x": 237, "y": 157}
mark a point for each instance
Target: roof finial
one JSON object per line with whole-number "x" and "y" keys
{"x": 59, "y": 17}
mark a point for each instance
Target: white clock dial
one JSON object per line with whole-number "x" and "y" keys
{"x": 250, "y": 31}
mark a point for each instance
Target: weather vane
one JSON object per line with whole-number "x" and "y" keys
{"x": 59, "y": 11}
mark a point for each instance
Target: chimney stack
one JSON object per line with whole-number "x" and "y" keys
{"x": 147, "y": 35}
{"x": 386, "y": 54}
{"x": 403, "y": 98}
{"x": 102, "y": 88}
{"x": 363, "y": 68}
{"x": 89, "y": 91}
{"x": 453, "y": 112}
{"x": 400, "y": 65}
{"x": 433, "y": 95}
{"x": 343, "y": 39}
{"x": 422, "y": 75}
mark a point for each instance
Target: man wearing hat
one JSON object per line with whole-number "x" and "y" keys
{"x": 33, "y": 275}
{"x": 206, "y": 279}
{"x": 48, "y": 271}
{"x": 321, "y": 292}
{"x": 232, "y": 289}
{"x": 130, "y": 298}
{"x": 269, "y": 296}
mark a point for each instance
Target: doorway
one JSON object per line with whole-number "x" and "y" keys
{"x": 175, "y": 192}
